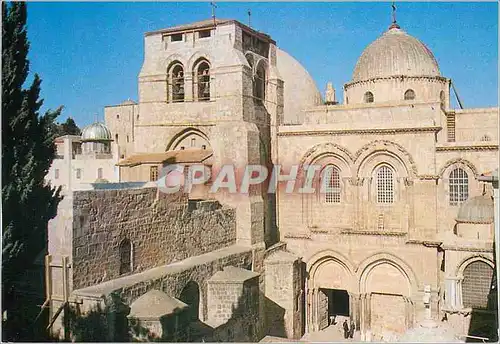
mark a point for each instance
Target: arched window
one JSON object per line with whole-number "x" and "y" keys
{"x": 331, "y": 186}
{"x": 259, "y": 83}
{"x": 116, "y": 138}
{"x": 368, "y": 97}
{"x": 385, "y": 185}
{"x": 201, "y": 76}
{"x": 176, "y": 82}
{"x": 459, "y": 186}
{"x": 125, "y": 256}
{"x": 476, "y": 284}
{"x": 442, "y": 97}
{"x": 409, "y": 94}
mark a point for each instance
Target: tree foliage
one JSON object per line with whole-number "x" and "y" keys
{"x": 27, "y": 153}
{"x": 67, "y": 128}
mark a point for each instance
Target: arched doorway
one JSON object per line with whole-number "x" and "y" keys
{"x": 190, "y": 295}
{"x": 330, "y": 292}
{"x": 386, "y": 308}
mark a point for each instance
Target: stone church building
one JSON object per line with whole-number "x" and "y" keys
{"x": 403, "y": 208}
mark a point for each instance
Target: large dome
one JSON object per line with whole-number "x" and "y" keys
{"x": 395, "y": 53}
{"x": 300, "y": 90}
{"x": 96, "y": 132}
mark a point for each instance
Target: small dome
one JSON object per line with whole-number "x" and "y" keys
{"x": 96, "y": 132}
{"x": 395, "y": 53}
{"x": 478, "y": 209}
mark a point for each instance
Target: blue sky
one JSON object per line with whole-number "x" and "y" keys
{"x": 89, "y": 54}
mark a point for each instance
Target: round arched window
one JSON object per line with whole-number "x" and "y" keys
{"x": 368, "y": 97}
{"x": 409, "y": 94}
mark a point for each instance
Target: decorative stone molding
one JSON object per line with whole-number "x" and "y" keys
{"x": 337, "y": 132}
{"x": 467, "y": 148}
{"x": 371, "y": 232}
{"x": 428, "y": 177}
{"x": 458, "y": 161}
{"x": 381, "y": 145}
{"x": 468, "y": 249}
{"x": 356, "y": 181}
{"x": 408, "y": 182}
{"x": 298, "y": 236}
{"x": 438, "y": 79}
{"x": 328, "y": 147}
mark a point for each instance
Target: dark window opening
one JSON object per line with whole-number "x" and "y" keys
{"x": 202, "y": 80}
{"x": 368, "y": 97}
{"x": 204, "y": 34}
{"x": 190, "y": 295}
{"x": 125, "y": 256}
{"x": 410, "y": 95}
{"x": 177, "y": 83}
{"x": 176, "y": 37}
{"x": 153, "y": 173}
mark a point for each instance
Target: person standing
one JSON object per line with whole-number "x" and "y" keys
{"x": 345, "y": 325}
{"x": 352, "y": 328}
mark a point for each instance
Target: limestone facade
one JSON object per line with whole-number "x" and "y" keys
{"x": 404, "y": 162}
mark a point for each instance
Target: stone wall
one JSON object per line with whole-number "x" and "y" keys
{"x": 161, "y": 228}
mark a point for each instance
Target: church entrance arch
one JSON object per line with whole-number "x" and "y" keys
{"x": 330, "y": 292}
{"x": 386, "y": 305}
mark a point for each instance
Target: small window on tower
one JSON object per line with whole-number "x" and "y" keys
{"x": 116, "y": 137}
{"x": 176, "y": 37}
{"x": 78, "y": 173}
{"x": 99, "y": 173}
{"x": 368, "y": 97}
{"x": 56, "y": 173}
{"x": 153, "y": 173}
{"x": 204, "y": 34}
{"x": 193, "y": 142}
{"x": 117, "y": 116}
{"x": 409, "y": 94}
{"x": 127, "y": 139}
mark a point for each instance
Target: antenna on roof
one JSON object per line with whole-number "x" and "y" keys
{"x": 214, "y": 6}
{"x": 249, "y": 18}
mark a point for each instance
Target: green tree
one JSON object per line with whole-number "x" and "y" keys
{"x": 67, "y": 128}
{"x": 27, "y": 153}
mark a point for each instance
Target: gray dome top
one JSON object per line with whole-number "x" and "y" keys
{"x": 96, "y": 132}
{"x": 395, "y": 53}
{"x": 478, "y": 209}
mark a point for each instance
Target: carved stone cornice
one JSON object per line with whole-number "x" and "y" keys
{"x": 356, "y": 181}
{"x": 408, "y": 182}
{"x": 396, "y": 77}
{"x": 467, "y": 148}
{"x": 326, "y": 132}
{"x": 370, "y": 232}
{"x": 428, "y": 177}
{"x": 303, "y": 236}
{"x": 467, "y": 249}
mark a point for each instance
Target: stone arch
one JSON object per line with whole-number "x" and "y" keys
{"x": 458, "y": 162}
{"x": 186, "y": 133}
{"x": 389, "y": 148}
{"x": 191, "y": 295}
{"x": 335, "y": 259}
{"x": 173, "y": 59}
{"x": 371, "y": 263}
{"x": 323, "y": 149}
{"x": 471, "y": 259}
{"x": 196, "y": 57}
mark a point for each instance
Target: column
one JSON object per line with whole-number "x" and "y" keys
{"x": 308, "y": 309}
{"x": 368, "y": 317}
{"x": 362, "y": 319}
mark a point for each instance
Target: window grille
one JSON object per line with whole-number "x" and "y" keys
{"x": 477, "y": 284}
{"x": 385, "y": 185}
{"x": 332, "y": 184}
{"x": 153, "y": 173}
{"x": 459, "y": 186}
{"x": 78, "y": 173}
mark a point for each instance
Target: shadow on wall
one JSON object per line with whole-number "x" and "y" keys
{"x": 109, "y": 323}
{"x": 484, "y": 322}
